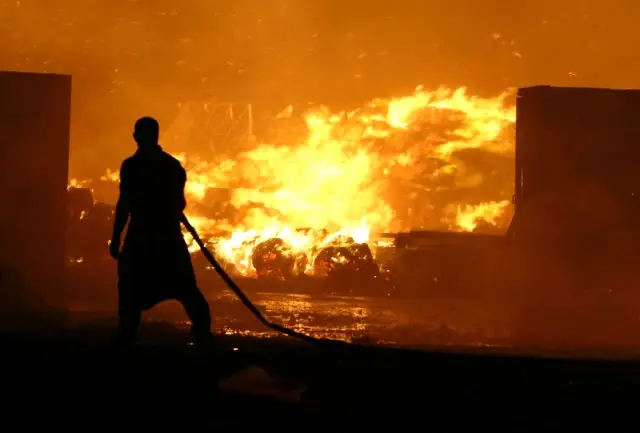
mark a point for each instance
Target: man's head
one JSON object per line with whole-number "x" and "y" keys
{"x": 146, "y": 132}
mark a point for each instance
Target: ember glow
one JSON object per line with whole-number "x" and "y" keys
{"x": 344, "y": 182}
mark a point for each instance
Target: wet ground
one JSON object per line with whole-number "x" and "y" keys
{"x": 311, "y": 307}
{"x": 456, "y": 323}
{"x": 73, "y": 371}
{"x": 425, "y": 315}
{"x": 365, "y": 319}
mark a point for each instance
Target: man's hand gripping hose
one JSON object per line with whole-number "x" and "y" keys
{"x": 243, "y": 298}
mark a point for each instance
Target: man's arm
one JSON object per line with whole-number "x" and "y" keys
{"x": 183, "y": 184}
{"x": 122, "y": 207}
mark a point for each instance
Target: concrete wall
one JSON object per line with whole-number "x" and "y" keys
{"x": 35, "y": 114}
{"x": 578, "y": 182}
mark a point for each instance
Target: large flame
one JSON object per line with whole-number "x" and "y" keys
{"x": 346, "y": 178}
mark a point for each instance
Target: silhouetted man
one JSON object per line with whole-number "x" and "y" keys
{"x": 154, "y": 264}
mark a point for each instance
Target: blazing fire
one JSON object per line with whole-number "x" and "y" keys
{"x": 344, "y": 181}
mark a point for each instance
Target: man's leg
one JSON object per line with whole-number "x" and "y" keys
{"x": 129, "y": 317}
{"x": 197, "y": 308}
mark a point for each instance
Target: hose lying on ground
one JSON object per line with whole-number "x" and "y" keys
{"x": 243, "y": 298}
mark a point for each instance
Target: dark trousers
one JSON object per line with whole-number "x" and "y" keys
{"x": 130, "y": 310}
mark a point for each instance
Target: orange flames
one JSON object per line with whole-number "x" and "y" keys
{"x": 345, "y": 181}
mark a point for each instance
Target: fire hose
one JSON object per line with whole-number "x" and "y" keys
{"x": 241, "y": 295}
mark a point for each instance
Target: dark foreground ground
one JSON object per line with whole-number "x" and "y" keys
{"x": 72, "y": 379}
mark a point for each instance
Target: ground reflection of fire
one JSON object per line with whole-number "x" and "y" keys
{"x": 312, "y": 203}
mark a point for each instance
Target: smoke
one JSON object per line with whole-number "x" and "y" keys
{"x": 131, "y": 58}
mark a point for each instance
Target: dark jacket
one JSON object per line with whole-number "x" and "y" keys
{"x": 155, "y": 262}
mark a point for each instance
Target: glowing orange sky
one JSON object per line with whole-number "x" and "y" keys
{"x": 142, "y": 57}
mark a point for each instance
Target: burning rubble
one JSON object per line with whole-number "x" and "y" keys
{"x": 318, "y": 200}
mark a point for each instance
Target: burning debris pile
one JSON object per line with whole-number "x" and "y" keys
{"x": 317, "y": 200}
{"x": 89, "y": 226}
